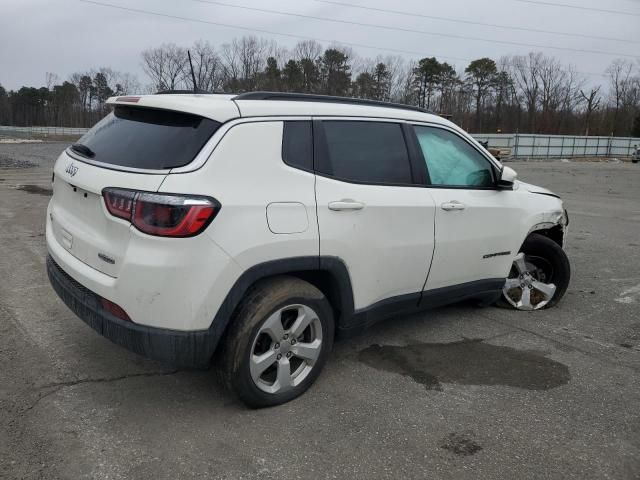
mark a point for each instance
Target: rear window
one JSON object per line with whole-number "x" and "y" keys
{"x": 148, "y": 138}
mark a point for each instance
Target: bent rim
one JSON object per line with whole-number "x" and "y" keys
{"x": 527, "y": 287}
{"x": 286, "y": 348}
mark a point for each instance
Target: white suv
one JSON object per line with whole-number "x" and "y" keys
{"x": 248, "y": 230}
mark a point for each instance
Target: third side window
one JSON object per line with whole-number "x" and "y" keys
{"x": 451, "y": 161}
{"x": 297, "y": 144}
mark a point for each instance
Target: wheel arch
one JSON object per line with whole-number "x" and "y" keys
{"x": 555, "y": 232}
{"x": 328, "y": 274}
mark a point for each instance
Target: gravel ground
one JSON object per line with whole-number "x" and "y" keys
{"x": 458, "y": 392}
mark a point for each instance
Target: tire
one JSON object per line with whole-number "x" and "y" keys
{"x": 548, "y": 264}
{"x": 287, "y": 301}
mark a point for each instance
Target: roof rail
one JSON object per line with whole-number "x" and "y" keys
{"x": 309, "y": 97}
{"x": 182, "y": 92}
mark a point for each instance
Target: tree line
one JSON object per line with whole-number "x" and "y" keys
{"x": 76, "y": 102}
{"x": 532, "y": 93}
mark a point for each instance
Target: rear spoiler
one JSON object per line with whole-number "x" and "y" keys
{"x": 216, "y": 107}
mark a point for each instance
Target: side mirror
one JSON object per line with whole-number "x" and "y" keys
{"x": 507, "y": 178}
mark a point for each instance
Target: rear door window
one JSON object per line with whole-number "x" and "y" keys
{"x": 148, "y": 138}
{"x": 365, "y": 152}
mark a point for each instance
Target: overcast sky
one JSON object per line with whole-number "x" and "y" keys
{"x": 65, "y": 36}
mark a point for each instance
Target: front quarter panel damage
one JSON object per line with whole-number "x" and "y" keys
{"x": 552, "y": 223}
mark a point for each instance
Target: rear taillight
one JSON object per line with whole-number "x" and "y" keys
{"x": 119, "y": 202}
{"x": 165, "y": 215}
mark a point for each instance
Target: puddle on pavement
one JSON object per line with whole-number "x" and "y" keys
{"x": 461, "y": 444}
{"x": 11, "y": 163}
{"x": 468, "y": 362}
{"x": 36, "y": 189}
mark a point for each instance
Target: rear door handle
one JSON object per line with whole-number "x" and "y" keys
{"x": 346, "y": 205}
{"x": 453, "y": 205}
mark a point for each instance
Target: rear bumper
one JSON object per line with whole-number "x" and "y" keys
{"x": 182, "y": 348}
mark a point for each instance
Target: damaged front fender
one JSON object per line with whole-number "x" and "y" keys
{"x": 553, "y": 224}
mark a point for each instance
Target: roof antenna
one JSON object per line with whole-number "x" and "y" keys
{"x": 193, "y": 75}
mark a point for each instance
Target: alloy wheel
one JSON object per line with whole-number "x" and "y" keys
{"x": 527, "y": 287}
{"x": 286, "y": 348}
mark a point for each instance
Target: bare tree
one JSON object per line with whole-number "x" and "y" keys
{"x": 396, "y": 66}
{"x": 570, "y": 97}
{"x": 593, "y": 100}
{"x": 207, "y": 67}
{"x": 252, "y": 58}
{"x": 307, "y": 49}
{"x": 51, "y": 79}
{"x": 402, "y": 90}
{"x": 242, "y": 60}
{"x": 552, "y": 77}
{"x": 280, "y": 53}
{"x": 231, "y": 66}
{"x": 619, "y": 73}
{"x": 525, "y": 71}
{"x": 165, "y": 65}
{"x": 559, "y": 87}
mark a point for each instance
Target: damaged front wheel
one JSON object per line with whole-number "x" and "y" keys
{"x": 539, "y": 276}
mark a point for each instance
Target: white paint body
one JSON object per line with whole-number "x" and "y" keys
{"x": 395, "y": 241}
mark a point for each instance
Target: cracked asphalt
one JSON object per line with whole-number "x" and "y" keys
{"x": 458, "y": 392}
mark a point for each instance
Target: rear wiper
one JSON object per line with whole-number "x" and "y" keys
{"x": 83, "y": 150}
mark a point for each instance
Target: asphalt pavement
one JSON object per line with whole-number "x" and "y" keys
{"x": 457, "y": 392}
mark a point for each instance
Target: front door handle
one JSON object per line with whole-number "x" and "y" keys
{"x": 453, "y": 205}
{"x": 346, "y": 205}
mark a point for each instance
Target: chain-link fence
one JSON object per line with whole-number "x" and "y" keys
{"x": 520, "y": 146}
{"x": 39, "y": 132}
{"x": 524, "y": 146}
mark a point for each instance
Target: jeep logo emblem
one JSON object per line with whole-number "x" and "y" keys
{"x": 71, "y": 169}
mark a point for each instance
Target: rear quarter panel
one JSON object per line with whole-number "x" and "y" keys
{"x": 246, "y": 174}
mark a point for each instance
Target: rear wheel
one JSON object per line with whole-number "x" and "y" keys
{"x": 539, "y": 276}
{"x": 278, "y": 342}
